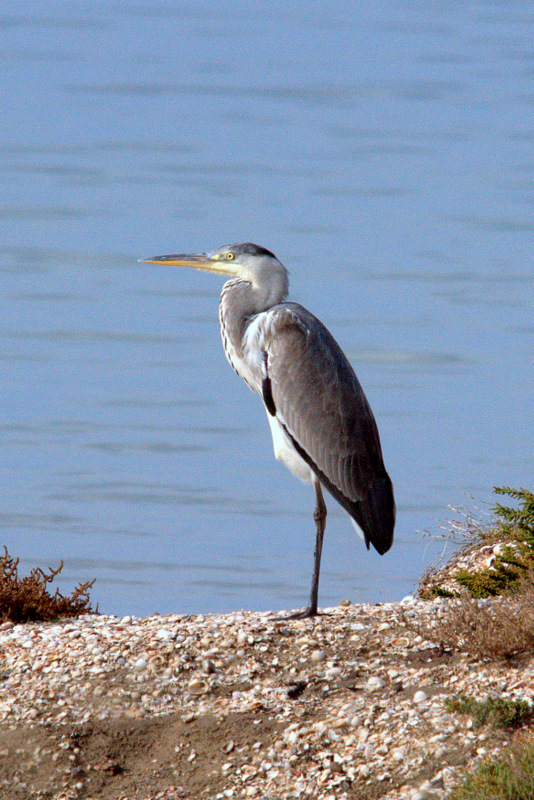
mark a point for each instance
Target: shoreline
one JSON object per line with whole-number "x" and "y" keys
{"x": 348, "y": 705}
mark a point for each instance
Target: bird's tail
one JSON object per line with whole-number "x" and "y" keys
{"x": 375, "y": 514}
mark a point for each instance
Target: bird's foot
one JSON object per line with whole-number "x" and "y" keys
{"x": 308, "y": 613}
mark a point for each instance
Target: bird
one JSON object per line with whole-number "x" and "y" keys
{"x": 322, "y": 425}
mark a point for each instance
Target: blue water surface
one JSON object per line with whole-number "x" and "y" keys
{"x": 384, "y": 152}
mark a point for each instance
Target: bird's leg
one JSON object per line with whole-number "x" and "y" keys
{"x": 319, "y": 516}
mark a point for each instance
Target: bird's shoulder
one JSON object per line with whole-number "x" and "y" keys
{"x": 276, "y": 325}
{"x": 290, "y": 313}
{"x": 296, "y": 338}
{"x": 288, "y": 321}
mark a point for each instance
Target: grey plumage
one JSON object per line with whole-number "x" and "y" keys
{"x": 323, "y": 408}
{"x": 322, "y": 425}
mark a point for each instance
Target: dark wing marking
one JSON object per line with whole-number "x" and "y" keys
{"x": 266, "y": 389}
{"x": 321, "y": 404}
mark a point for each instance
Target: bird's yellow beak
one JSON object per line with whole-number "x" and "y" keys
{"x": 204, "y": 262}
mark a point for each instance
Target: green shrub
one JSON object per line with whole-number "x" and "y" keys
{"x": 501, "y": 712}
{"x": 508, "y": 777}
{"x": 513, "y": 565}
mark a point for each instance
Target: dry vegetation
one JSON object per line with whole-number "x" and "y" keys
{"x": 28, "y": 599}
{"x": 490, "y": 613}
{"x": 503, "y": 628}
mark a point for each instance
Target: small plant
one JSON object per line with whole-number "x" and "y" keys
{"x": 437, "y": 591}
{"x": 27, "y": 599}
{"x": 508, "y": 777}
{"x": 513, "y": 564}
{"x": 504, "y": 575}
{"x": 519, "y": 520}
{"x": 500, "y": 712}
{"x": 516, "y": 557}
{"x": 491, "y": 613}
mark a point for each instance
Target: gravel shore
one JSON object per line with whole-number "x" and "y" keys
{"x": 348, "y": 705}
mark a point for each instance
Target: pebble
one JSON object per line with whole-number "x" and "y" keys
{"x": 420, "y": 697}
{"x": 333, "y": 672}
{"x": 164, "y": 634}
{"x": 317, "y": 656}
{"x": 375, "y": 683}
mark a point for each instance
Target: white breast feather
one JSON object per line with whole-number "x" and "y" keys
{"x": 254, "y": 347}
{"x": 286, "y": 453}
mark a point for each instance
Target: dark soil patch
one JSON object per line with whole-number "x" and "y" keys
{"x": 130, "y": 758}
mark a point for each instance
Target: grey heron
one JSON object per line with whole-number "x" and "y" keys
{"x": 321, "y": 423}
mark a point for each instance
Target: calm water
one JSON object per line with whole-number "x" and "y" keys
{"x": 384, "y": 152}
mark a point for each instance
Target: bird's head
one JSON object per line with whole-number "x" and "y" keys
{"x": 247, "y": 262}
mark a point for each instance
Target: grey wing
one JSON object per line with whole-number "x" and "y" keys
{"x": 311, "y": 386}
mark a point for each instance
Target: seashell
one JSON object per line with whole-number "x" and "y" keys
{"x": 197, "y": 686}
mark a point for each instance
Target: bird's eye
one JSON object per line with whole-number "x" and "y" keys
{"x": 229, "y": 256}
